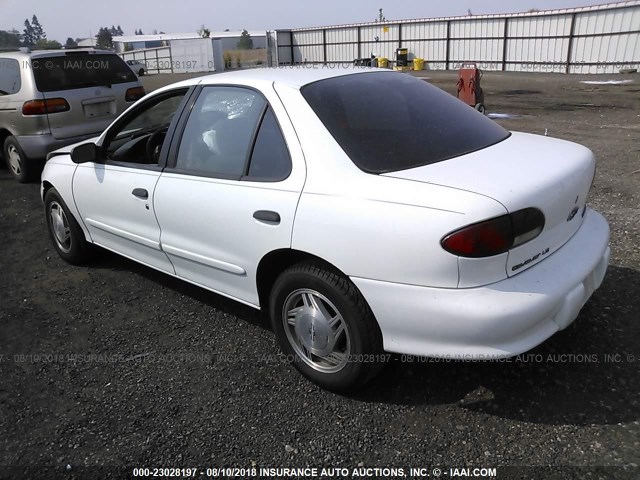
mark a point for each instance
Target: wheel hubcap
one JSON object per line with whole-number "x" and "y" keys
{"x": 60, "y": 227}
{"x": 316, "y": 330}
{"x": 14, "y": 160}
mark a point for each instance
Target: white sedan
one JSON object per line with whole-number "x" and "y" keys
{"x": 365, "y": 210}
{"x": 138, "y": 67}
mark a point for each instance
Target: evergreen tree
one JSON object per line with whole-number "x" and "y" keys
{"x": 104, "y": 39}
{"x": 27, "y": 36}
{"x": 38, "y": 31}
{"x": 245, "y": 42}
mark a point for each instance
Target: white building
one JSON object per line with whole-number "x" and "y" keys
{"x": 229, "y": 40}
{"x": 183, "y": 52}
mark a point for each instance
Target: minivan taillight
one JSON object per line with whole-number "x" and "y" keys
{"x": 495, "y": 236}
{"x": 43, "y": 107}
{"x": 134, "y": 93}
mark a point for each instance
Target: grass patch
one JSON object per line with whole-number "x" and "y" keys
{"x": 244, "y": 58}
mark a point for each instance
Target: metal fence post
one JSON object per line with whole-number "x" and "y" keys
{"x": 570, "y": 47}
{"x": 324, "y": 46}
{"x": 505, "y": 40}
{"x": 448, "y": 53}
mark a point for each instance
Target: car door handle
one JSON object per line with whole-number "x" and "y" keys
{"x": 267, "y": 216}
{"x": 140, "y": 193}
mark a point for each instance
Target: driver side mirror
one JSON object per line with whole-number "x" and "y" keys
{"x": 87, "y": 152}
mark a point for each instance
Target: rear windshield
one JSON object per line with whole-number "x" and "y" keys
{"x": 388, "y": 121}
{"x": 80, "y": 71}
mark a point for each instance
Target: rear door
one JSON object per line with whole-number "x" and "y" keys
{"x": 93, "y": 84}
{"x": 231, "y": 194}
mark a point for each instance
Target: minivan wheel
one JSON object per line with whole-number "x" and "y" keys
{"x": 325, "y": 327}
{"x": 16, "y": 160}
{"x": 66, "y": 235}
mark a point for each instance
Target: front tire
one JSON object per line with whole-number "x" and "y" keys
{"x": 65, "y": 232}
{"x": 17, "y": 162}
{"x": 325, "y": 326}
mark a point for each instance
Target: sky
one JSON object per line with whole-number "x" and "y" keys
{"x": 75, "y": 18}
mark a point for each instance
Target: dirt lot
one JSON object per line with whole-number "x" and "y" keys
{"x": 143, "y": 370}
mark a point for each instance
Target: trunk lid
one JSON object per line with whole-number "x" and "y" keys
{"x": 523, "y": 171}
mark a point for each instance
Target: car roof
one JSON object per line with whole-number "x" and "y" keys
{"x": 19, "y": 55}
{"x": 295, "y": 76}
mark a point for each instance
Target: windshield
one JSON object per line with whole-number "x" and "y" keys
{"x": 80, "y": 71}
{"x": 388, "y": 121}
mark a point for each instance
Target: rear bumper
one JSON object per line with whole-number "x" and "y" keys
{"x": 36, "y": 147}
{"x": 498, "y": 320}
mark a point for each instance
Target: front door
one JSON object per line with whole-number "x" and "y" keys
{"x": 116, "y": 197}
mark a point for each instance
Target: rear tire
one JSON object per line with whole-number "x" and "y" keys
{"x": 17, "y": 162}
{"x": 66, "y": 234}
{"x": 325, "y": 327}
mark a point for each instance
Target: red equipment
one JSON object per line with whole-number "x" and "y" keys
{"x": 469, "y": 89}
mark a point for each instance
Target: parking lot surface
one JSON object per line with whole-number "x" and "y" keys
{"x": 116, "y": 364}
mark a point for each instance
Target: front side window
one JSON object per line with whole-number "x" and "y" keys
{"x": 9, "y": 76}
{"x": 140, "y": 137}
{"x": 219, "y": 134}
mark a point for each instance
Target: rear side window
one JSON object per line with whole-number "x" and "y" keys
{"x": 9, "y": 76}
{"x": 270, "y": 160}
{"x": 388, "y": 121}
{"x": 82, "y": 70}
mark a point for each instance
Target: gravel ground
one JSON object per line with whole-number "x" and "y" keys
{"x": 114, "y": 364}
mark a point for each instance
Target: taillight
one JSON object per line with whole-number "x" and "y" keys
{"x": 134, "y": 93}
{"x": 43, "y": 107}
{"x": 495, "y": 236}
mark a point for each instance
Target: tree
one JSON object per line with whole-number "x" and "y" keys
{"x": 9, "y": 39}
{"x": 104, "y": 39}
{"x": 27, "y": 36}
{"x": 245, "y": 42}
{"x": 44, "y": 44}
{"x": 204, "y": 32}
{"x": 380, "y": 17}
{"x": 139, "y": 32}
{"x": 38, "y": 31}
{"x": 70, "y": 43}
{"x": 116, "y": 31}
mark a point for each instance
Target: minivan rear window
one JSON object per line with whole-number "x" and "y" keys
{"x": 67, "y": 72}
{"x": 389, "y": 121}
